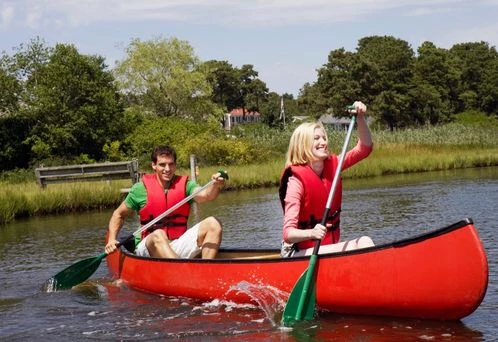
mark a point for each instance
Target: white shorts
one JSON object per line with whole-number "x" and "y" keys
{"x": 185, "y": 246}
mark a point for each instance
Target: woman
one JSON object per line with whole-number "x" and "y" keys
{"x": 305, "y": 186}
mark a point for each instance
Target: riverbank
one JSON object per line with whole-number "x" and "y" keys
{"x": 28, "y": 199}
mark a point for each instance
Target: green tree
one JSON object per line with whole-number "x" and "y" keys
{"x": 14, "y": 153}
{"x": 18, "y": 73}
{"x": 336, "y": 84}
{"x": 387, "y": 67}
{"x": 477, "y": 64}
{"x": 311, "y": 101}
{"x": 75, "y": 107}
{"x": 10, "y": 90}
{"x": 163, "y": 77}
{"x": 225, "y": 83}
{"x": 435, "y": 84}
{"x": 252, "y": 89}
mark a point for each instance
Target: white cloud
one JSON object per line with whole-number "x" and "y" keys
{"x": 6, "y": 16}
{"x": 236, "y": 12}
{"x": 33, "y": 18}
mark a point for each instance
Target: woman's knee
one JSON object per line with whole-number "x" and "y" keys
{"x": 364, "y": 242}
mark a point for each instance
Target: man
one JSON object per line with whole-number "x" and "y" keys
{"x": 151, "y": 197}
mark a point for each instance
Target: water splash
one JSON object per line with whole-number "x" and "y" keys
{"x": 50, "y": 285}
{"x": 270, "y": 299}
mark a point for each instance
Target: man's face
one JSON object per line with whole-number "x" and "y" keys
{"x": 165, "y": 167}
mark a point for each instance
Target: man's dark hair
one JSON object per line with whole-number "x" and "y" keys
{"x": 164, "y": 149}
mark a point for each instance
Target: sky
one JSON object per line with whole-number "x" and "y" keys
{"x": 285, "y": 40}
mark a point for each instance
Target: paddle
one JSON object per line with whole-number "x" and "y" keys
{"x": 302, "y": 299}
{"x": 83, "y": 269}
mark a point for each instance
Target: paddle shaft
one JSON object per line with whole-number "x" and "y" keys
{"x": 336, "y": 179}
{"x": 313, "y": 258}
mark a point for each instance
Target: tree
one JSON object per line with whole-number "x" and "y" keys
{"x": 387, "y": 67}
{"x": 75, "y": 107}
{"x": 18, "y": 74}
{"x": 311, "y": 101}
{"x": 10, "y": 91}
{"x": 164, "y": 78}
{"x": 336, "y": 84}
{"x": 225, "y": 83}
{"x": 435, "y": 84}
{"x": 477, "y": 64}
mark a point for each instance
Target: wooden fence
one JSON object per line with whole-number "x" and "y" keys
{"x": 88, "y": 172}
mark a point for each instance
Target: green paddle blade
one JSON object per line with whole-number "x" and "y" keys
{"x": 302, "y": 300}
{"x": 74, "y": 274}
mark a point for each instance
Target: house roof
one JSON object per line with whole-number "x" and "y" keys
{"x": 239, "y": 112}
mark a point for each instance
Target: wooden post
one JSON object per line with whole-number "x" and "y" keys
{"x": 194, "y": 170}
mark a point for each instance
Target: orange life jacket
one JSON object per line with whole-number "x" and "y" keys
{"x": 316, "y": 192}
{"x": 175, "y": 224}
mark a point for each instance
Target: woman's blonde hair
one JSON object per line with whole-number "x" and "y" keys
{"x": 301, "y": 143}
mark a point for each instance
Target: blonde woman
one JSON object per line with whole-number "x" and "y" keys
{"x": 306, "y": 183}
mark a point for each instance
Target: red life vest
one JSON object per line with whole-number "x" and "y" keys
{"x": 316, "y": 192}
{"x": 175, "y": 224}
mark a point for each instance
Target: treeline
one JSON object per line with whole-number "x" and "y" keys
{"x": 58, "y": 106}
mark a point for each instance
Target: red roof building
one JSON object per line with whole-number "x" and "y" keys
{"x": 237, "y": 116}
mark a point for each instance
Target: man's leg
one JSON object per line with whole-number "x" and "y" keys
{"x": 158, "y": 245}
{"x": 209, "y": 238}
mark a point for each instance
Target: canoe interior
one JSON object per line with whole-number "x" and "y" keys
{"x": 248, "y": 254}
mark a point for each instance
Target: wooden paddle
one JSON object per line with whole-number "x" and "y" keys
{"x": 302, "y": 299}
{"x": 83, "y": 269}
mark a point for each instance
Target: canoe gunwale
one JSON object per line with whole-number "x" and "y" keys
{"x": 394, "y": 244}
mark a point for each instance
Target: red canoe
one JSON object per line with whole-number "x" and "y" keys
{"x": 441, "y": 275}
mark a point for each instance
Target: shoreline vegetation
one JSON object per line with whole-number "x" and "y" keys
{"x": 406, "y": 151}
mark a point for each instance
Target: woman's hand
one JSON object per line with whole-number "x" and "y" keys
{"x": 360, "y": 108}
{"x": 318, "y": 232}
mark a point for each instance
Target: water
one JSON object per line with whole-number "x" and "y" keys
{"x": 102, "y": 308}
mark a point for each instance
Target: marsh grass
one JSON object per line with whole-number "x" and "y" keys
{"x": 28, "y": 199}
{"x": 447, "y": 147}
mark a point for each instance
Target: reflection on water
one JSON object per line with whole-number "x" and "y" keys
{"x": 387, "y": 208}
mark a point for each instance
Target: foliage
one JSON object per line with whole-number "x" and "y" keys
{"x": 207, "y": 141}
{"x": 162, "y": 77}
{"x": 237, "y": 87}
{"x": 10, "y": 88}
{"x": 477, "y": 64}
{"x": 17, "y": 176}
{"x": 75, "y": 105}
{"x": 473, "y": 117}
{"x": 58, "y": 106}
{"x": 13, "y": 152}
{"x": 175, "y": 132}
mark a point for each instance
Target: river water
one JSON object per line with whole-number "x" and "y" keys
{"x": 385, "y": 208}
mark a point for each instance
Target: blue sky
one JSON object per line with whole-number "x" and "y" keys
{"x": 285, "y": 40}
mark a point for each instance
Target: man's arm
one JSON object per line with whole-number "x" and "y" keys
{"x": 115, "y": 224}
{"x": 212, "y": 191}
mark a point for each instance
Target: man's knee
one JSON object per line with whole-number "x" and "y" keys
{"x": 213, "y": 224}
{"x": 157, "y": 237}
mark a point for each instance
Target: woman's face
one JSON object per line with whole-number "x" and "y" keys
{"x": 320, "y": 146}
